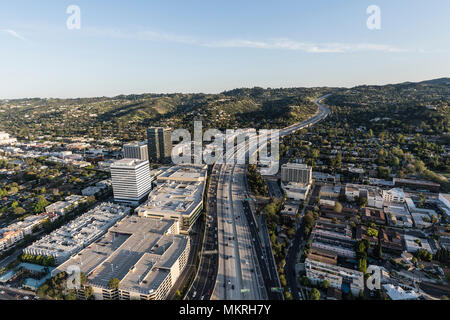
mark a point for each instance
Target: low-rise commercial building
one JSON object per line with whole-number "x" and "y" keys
{"x": 145, "y": 255}
{"x": 178, "y": 195}
{"x": 373, "y": 215}
{"x": 398, "y": 216}
{"x": 412, "y": 244}
{"x": 79, "y": 233}
{"x": 16, "y": 231}
{"x": 391, "y": 241}
{"x": 339, "y": 277}
{"x": 333, "y": 237}
{"x": 417, "y": 184}
{"x": 69, "y": 203}
{"x": 394, "y": 195}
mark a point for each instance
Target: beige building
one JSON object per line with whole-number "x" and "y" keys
{"x": 146, "y": 255}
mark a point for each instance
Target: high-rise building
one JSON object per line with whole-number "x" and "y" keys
{"x": 131, "y": 180}
{"x": 296, "y": 172}
{"x": 159, "y": 144}
{"x": 137, "y": 150}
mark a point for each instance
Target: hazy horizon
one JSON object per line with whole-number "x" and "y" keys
{"x": 205, "y": 47}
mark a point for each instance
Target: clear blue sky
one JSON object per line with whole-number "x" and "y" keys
{"x": 210, "y": 46}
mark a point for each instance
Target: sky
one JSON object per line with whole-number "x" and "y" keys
{"x": 209, "y": 46}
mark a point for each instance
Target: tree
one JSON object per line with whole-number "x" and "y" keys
{"x": 40, "y": 205}
{"x": 71, "y": 296}
{"x": 337, "y": 207}
{"x": 308, "y": 221}
{"x": 362, "y": 202}
{"x": 361, "y": 294}
{"x": 326, "y": 284}
{"x": 283, "y": 280}
{"x": 88, "y": 292}
{"x": 372, "y": 232}
{"x": 304, "y": 281}
{"x": 19, "y": 211}
{"x": 379, "y": 251}
{"x": 287, "y": 295}
{"x": 315, "y": 294}
{"x": 113, "y": 283}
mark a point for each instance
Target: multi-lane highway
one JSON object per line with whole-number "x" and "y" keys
{"x": 203, "y": 284}
{"x": 246, "y": 268}
{"x": 239, "y": 276}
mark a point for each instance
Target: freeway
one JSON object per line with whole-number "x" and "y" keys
{"x": 265, "y": 262}
{"x": 203, "y": 284}
{"x": 239, "y": 274}
{"x": 246, "y": 267}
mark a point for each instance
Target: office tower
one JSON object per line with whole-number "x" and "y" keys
{"x": 296, "y": 172}
{"x": 137, "y": 150}
{"x": 159, "y": 144}
{"x": 131, "y": 180}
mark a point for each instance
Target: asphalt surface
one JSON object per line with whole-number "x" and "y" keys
{"x": 203, "y": 284}
{"x": 245, "y": 268}
{"x": 8, "y": 293}
{"x": 239, "y": 274}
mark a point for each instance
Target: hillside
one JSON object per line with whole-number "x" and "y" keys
{"x": 126, "y": 117}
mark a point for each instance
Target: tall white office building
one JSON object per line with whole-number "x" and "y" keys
{"x": 296, "y": 172}
{"x": 131, "y": 180}
{"x": 137, "y": 150}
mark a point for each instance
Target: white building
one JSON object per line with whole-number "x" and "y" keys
{"x": 79, "y": 233}
{"x": 62, "y": 207}
{"x": 399, "y": 216}
{"x": 373, "y": 194}
{"x": 422, "y": 217}
{"x": 131, "y": 180}
{"x": 146, "y": 255}
{"x": 399, "y": 293}
{"x": 6, "y": 139}
{"x": 178, "y": 195}
{"x": 318, "y": 271}
{"x": 413, "y": 244}
{"x": 394, "y": 195}
{"x": 445, "y": 203}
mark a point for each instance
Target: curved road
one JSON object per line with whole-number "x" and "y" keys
{"x": 239, "y": 267}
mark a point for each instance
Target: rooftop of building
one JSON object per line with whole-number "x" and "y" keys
{"x": 138, "y": 251}
{"x": 128, "y": 163}
{"x": 77, "y": 233}
{"x": 415, "y": 181}
{"x": 136, "y": 143}
{"x": 184, "y": 172}
{"x": 296, "y": 166}
{"x": 174, "y": 197}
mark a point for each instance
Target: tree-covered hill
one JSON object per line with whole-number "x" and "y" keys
{"x": 127, "y": 117}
